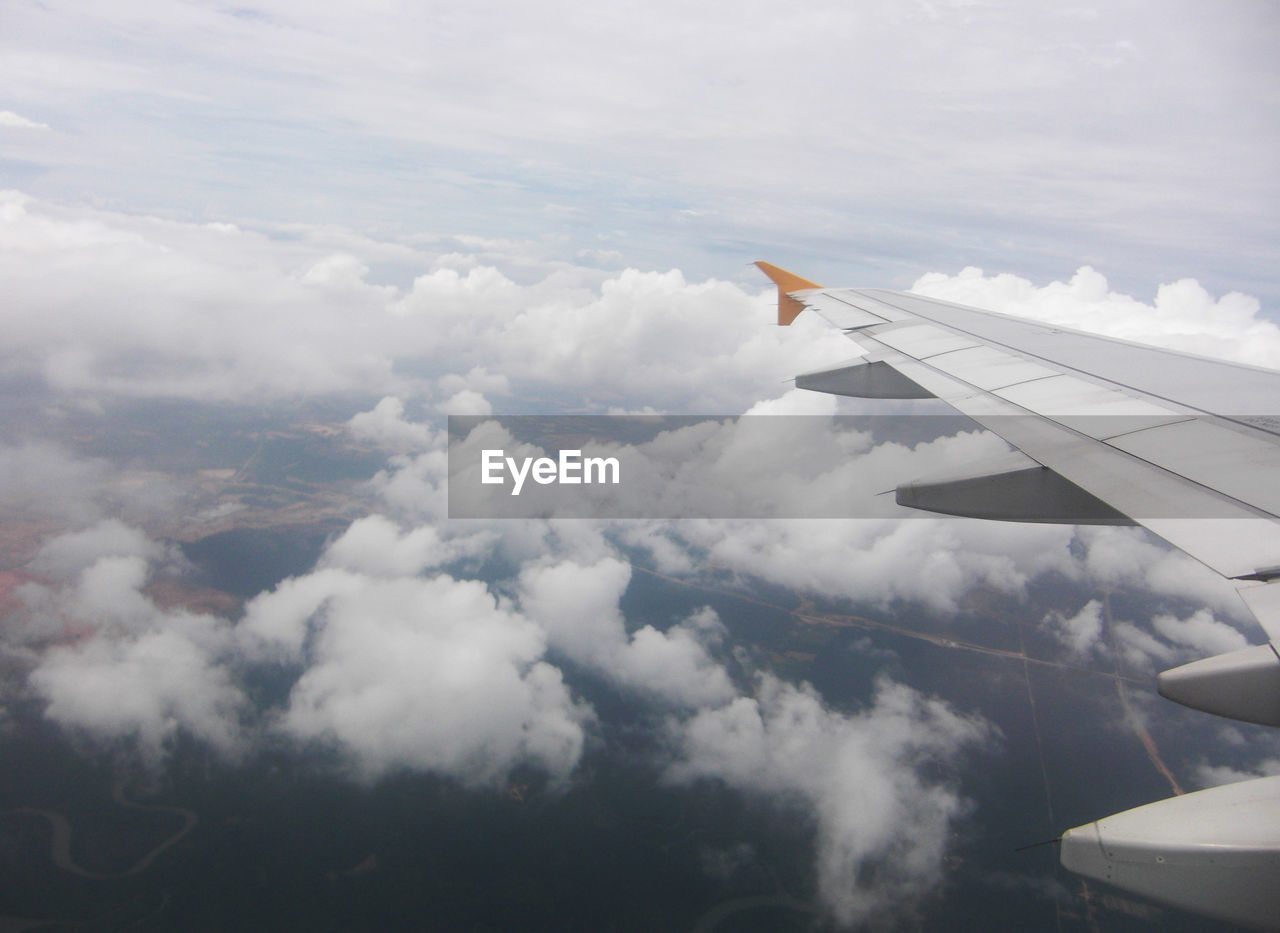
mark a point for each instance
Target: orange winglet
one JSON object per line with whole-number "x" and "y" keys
{"x": 788, "y": 307}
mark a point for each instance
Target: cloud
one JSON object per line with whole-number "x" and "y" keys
{"x": 106, "y": 304}
{"x": 109, "y": 662}
{"x": 933, "y": 562}
{"x": 1082, "y": 632}
{"x": 1134, "y": 557}
{"x": 466, "y": 402}
{"x": 146, "y": 686}
{"x": 478, "y": 379}
{"x": 1201, "y": 632}
{"x": 577, "y": 606}
{"x": 41, "y": 478}
{"x": 74, "y": 552}
{"x": 399, "y": 666}
{"x": 402, "y": 663}
{"x": 882, "y": 825}
{"x": 630, "y": 133}
{"x": 376, "y": 545}
{"x": 386, "y": 427}
{"x": 17, "y": 121}
{"x": 1184, "y": 316}
{"x": 650, "y": 336}
{"x": 1140, "y": 649}
{"x": 1167, "y": 641}
{"x": 432, "y": 674}
{"x": 1208, "y": 775}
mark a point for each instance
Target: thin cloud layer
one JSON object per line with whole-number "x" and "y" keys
{"x": 914, "y": 135}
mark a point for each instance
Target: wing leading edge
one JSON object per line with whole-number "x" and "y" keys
{"x": 1109, "y": 432}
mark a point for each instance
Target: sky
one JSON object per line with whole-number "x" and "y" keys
{"x": 868, "y": 143}
{"x": 496, "y": 207}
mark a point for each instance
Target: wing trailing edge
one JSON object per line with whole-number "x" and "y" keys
{"x": 863, "y": 378}
{"x": 1009, "y": 488}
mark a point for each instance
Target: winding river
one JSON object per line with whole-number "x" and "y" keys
{"x": 60, "y": 842}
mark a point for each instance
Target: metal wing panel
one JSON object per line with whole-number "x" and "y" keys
{"x": 862, "y": 299}
{"x": 1206, "y": 492}
{"x": 922, "y": 341}
{"x": 839, "y": 313}
{"x": 1197, "y": 382}
{"x": 989, "y": 368}
{"x": 1234, "y": 463}
{"x": 1263, "y": 600}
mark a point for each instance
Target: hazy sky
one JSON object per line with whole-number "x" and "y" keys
{"x": 865, "y": 142}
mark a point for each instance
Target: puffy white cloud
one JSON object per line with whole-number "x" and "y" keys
{"x": 434, "y": 674}
{"x": 1080, "y": 632}
{"x": 1184, "y": 316}
{"x": 465, "y": 402}
{"x": 108, "y": 304}
{"x": 110, "y": 662}
{"x": 1133, "y": 557}
{"x": 478, "y": 379}
{"x": 70, "y": 553}
{"x": 577, "y": 605}
{"x": 146, "y": 686}
{"x": 277, "y": 623}
{"x": 1169, "y": 641}
{"x": 1208, "y": 775}
{"x": 1140, "y": 649}
{"x": 930, "y": 561}
{"x": 376, "y": 545}
{"x": 1201, "y": 632}
{"x": 103, "y": 303}
{"x": 649, "y": 336}
{"x": 882, "y": 825}
{"x": 386, "y": 427}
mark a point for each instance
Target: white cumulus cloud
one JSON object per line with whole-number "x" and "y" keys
{"x": 882, "y": 824}
{"x": 434, "y": 674}
{"x": 114, "y": 664}
{"x": 1183, "y": 315}
{"x": 1080, "y": 632}
{"x": 577, "y": 605}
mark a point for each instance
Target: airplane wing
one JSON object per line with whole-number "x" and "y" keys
{"x": 1109, "y": 432}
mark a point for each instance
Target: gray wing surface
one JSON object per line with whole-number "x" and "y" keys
{"x": 1108, "y": 431}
